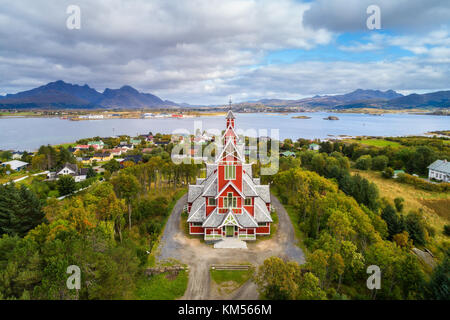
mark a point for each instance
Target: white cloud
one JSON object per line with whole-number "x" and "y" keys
{"x": 202, "y": 51}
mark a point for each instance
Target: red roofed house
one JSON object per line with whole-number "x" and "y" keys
{"x": 229, "y": 202}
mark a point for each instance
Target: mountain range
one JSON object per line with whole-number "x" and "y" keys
{"x": 363, "y": 99}
{"x": 60, "y": 94}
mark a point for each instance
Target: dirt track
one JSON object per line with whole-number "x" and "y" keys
{"x": 199, "y": 256}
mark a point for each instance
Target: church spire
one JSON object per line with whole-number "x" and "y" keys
{"x": 230, "y": 116}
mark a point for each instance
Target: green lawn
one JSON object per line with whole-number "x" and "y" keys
{"x": 13, "y": 176}
{"x": 238, "y": 276}
{"x": 159, "y": 287}
{"x": 65, "y": 145}
{"x": 378, "y": 143}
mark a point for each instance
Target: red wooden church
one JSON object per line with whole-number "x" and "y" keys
{"x": 229, "y": 202}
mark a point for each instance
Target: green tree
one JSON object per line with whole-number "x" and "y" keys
{"x": 278, "y": 280}
{"x": 380, "y": 163}
{"x": 20, "y": 210}
{"x": 399, "y": 203}
{"x": 66, "y": 185}
{"x": 416, "y": 227}
{"x": 90, "y": 173}
{"x": 438, "y": 288}
{"x": 126, "y": 187}
{"x": 388, "y": 173}
{"x": 394, "y": 222}
{"x": 112, "y": 166}
{"x": 309, "y": 288}
{"x": 364, "y": 162}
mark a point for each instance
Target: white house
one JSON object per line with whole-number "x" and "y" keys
{"x": 314, "y": 146}
{"x": 439, "y": 170}
{"x": 71, "y": 169}
{"x": 17, "y": 155}
{"x": 16, "y": 165}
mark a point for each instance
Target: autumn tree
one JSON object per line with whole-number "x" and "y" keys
{"x": 126, "y": 187}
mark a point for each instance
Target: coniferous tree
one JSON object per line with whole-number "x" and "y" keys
{"x": 20, "y": 210}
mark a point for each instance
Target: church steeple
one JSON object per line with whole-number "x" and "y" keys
{"x": 230, "y": 116}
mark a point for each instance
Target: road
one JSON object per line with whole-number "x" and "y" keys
{"x": 199, "y": 256}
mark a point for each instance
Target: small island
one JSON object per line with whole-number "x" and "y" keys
{"x": 301, "y": 117}
{"x": 331, "y": 118}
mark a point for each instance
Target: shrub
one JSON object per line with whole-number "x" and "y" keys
{"x": 447, "y": 230}
{"x": 388, "y": 173}
{"x": 364, "y": 162}
{"x": 423, "y": 184}
{"x": 380, "y": 163}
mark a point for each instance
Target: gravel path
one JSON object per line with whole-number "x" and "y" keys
{"x": 199, "y": 256}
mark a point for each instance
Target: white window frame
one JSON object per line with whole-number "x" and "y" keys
{"x": 230, "y": 172}
{"x": 213, "y": 200}
{"x": 233, "y": 201}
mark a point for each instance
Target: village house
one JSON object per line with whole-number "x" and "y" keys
{"x": 439, "y": 170}
{"x": 314, "y": 147}
{"x": 287, "y": 154}
{"x": 135, "y": 142}
{"x": 79, "y": 174}
{"x": 126, "y": 147}
{"x": 97, "y": 145}
{"x": 104, "y": 156}
{"x": 136, "y": 158}
{"x": 229, "y": 202}
{"x": 116, "y": 152}
{"x": 81, "y": 147}
{"x": 147, "y": 150}
{"x": 16, "y": 165}
{"x": 86, "y": 160}
{"x": 17, "y": 155}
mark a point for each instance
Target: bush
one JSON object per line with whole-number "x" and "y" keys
{"x": 399, "y": 203}
{"x": 423, "y": 184}
{"x": 447, "y": 230}
{"x": 364, "y": 162}
{"x": 380, "y": 163}
{"x": 388, "y": 173}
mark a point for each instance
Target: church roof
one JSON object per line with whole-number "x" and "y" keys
{"x": 230, "y": 115}
{"x": 198, "y": 211}
{"x": 263, "y": 191}
{"x": 194, "y": 192}
{"x": 248, "y": 186}
{"x": 246, "y": 220}
{"x": 261, "y": 212}
{"x": 214, "y": 219}
{"x": 210, "y": 188}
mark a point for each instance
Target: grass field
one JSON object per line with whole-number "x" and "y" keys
{"x": 162, "y": 287}
{"x": 65, "y": 145}
{"x": 435, "y": 205}
{"x": 376, "y": 142}
{"x": 238, "y": 276}
{"x": 12, "y": 176}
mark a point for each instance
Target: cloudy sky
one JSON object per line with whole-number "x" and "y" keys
{"x": 203, "y": 51}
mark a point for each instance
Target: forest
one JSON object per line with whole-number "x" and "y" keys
{"x": 110, "y": 230}
{"x": 347, "y": 226}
